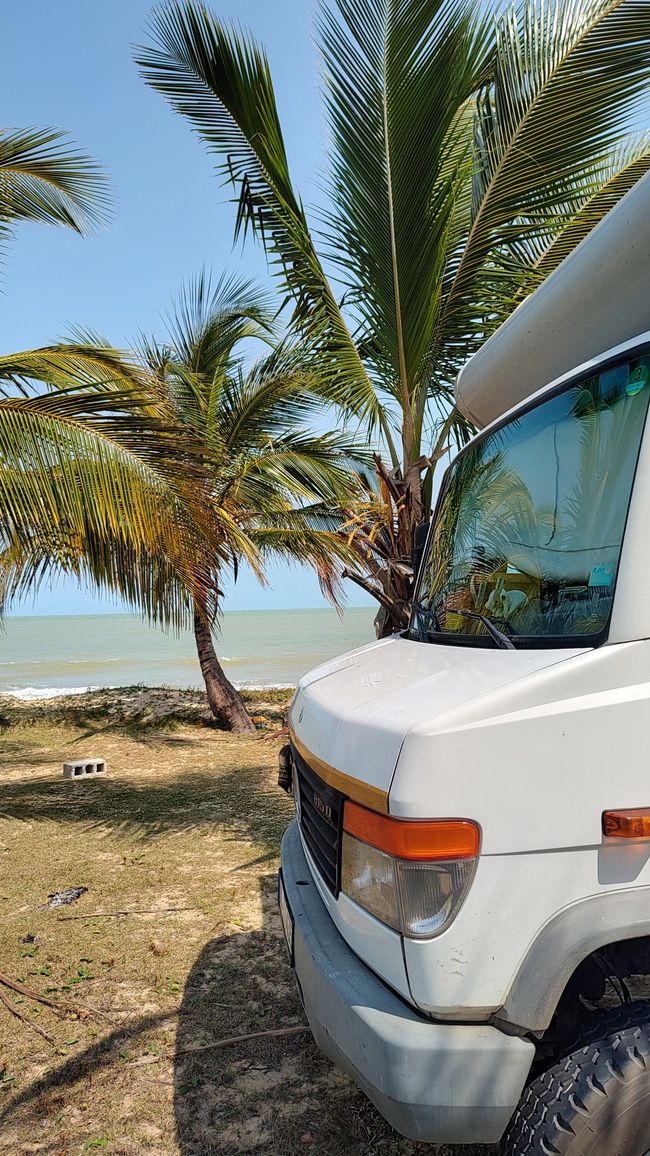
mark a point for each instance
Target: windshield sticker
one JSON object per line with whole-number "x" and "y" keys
{"x": 602, "y": 575}
{"x": 637, "y": 380}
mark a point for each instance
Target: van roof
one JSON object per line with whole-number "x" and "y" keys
{"x": 599, "y": 297}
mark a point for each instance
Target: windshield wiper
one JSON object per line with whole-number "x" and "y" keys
{"x": 499, "y": 637}
{"x": 430, "y": 620}
{"x": 427, "y": 620}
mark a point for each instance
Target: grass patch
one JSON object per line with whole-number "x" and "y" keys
{"x": 187, "y": 819}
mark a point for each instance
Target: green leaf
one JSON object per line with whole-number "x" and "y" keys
{"x": 42, "y": 178}
{"x": 467, "y": 156}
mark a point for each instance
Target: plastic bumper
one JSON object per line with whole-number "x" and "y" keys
{"x": 437, "y": 1083}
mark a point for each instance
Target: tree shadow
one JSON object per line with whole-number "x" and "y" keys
{"x": 262, "y": 1096}
{"x": 83, "y": 1066}
{"x": 243, "y": 801}
{"x": 15, "y": 753}
{"x": 272, "y": 1096}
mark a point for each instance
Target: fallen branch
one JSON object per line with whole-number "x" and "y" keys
{"x": 241, "y": 1039}
{"x": 26, "y": 991}
{"x": 25, "y": 1019}
{"x": 59, "y": 1008}
{"x": 271, "y": 736}
{"x": 114, "y": 914}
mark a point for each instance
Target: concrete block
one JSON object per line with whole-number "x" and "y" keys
{"x": 84, "y": 769}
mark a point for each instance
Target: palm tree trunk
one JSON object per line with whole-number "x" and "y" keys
{"x": 226, "y": 704}
{"x": 406, "y": 491}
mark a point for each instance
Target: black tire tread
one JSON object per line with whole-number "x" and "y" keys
{"x": 612, "y": 1051}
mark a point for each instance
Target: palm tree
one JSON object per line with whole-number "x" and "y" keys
{"x": 91, "y": 482}
{"x": 151, "y": 479}
{"x": 469, "y": 153}
{"x": 271, "y": 486}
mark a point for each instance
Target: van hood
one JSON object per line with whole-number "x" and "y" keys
{"x": 353, "y": 713}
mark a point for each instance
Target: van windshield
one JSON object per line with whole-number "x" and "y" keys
{"x": 531, "y": 519}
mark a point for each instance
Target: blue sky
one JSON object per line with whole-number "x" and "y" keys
{"x": 69, "y": 65}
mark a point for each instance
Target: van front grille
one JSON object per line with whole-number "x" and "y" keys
{"x": 320, "y": 814}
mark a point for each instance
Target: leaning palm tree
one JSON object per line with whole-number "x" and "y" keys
{"x": 470, "y": 152}
{"x": 91, "y": 481}
{"x": 271, "y": 486}
{"x": 154, "y": 479}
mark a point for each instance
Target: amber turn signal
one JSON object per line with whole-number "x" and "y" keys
{"x": 424, "y": 840}
{"x": 634, "y": 824}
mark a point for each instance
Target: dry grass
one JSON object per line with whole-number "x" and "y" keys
{"x": 186, "y": 819}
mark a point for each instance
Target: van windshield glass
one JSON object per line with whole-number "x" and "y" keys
{"x": 530, "y": 524}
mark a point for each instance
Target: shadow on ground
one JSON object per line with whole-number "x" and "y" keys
{"x": 275, "y": 1095}
{"x": 241, "y": 801}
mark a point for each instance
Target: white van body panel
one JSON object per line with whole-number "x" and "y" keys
{"x": 578, "y": 710}
{"x": 532, "y": 744}
{"x": 467, "y": 972}
{"x": 354, "y": 712}
{"x": 465, "y": 731}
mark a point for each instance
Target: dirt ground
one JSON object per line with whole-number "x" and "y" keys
{"x": 188, "y": 819}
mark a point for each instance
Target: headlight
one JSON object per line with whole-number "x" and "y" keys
{"x": 410, "y": 874}
{"x": 369, "y": 877}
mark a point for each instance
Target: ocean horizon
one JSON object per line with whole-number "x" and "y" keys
{"x": 42, "y": 656}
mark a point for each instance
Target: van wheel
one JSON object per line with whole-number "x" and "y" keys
{"x": 596, "y": 1100}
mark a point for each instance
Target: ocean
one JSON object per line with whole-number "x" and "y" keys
{"x": 45, "y": 656}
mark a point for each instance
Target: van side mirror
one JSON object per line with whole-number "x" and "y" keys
{"x": 419, "y": 542}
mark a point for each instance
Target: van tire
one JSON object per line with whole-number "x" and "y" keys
{"x": 594, "y": 1101}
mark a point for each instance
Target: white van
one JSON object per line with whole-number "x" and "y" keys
{"x": 465, "y": 889}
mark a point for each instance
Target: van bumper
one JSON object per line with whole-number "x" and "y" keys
{"x": 436, "y": 1083}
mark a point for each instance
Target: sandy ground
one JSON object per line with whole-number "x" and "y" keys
{"x": 139, "y": 707}
{"x": 186, "y": 819}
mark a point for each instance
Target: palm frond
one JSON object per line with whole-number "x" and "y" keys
{"x": 296, "y": 468}
{"x": 611, "y": 180}
{"x": 397, "y": 75}
{"x": 79, "y": 468}
{"x": 112, "y": 565}
{"x": 95, "y": 368}
{"x": 567, "y": 82}
{"x": 221, "y": 82}
{"x": 208, "y": 320}
{"x": 43, "y": 178}
{"x": 207, "y": 325}
{"x": 326, "y": 551}
{"x": 280, "y": 391}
